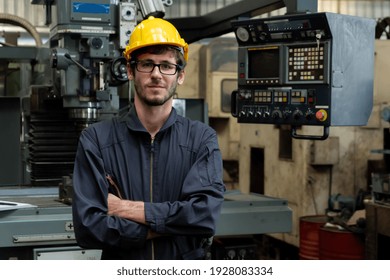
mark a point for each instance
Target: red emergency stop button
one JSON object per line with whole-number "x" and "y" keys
{"x": 321, "y": 115}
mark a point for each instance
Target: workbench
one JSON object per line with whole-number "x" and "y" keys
{"x": 31, "y": 232}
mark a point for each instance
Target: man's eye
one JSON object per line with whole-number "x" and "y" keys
{"x": 167, "y": 66}
{"x": 146, "y": 64}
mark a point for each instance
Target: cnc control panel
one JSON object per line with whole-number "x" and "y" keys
{"x": 304, "y": 69}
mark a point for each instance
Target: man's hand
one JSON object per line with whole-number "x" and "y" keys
{"x": 127, "y": 209}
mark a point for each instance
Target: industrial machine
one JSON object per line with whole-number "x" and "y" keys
{"x": 87, "y": 72}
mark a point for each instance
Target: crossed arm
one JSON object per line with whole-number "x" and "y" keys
{"x": 130, "y": 210}
{"x": 127, "y": 209}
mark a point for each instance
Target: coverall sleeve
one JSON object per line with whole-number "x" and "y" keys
{"x": 202, "y": 195}
{"x": 93, "y": 227}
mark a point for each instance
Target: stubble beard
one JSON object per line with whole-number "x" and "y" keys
{"x": 154, "y": 101}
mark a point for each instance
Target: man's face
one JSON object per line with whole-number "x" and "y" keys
{"x": 154, "y": 89}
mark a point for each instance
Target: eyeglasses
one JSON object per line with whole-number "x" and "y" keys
{"x": 146, "y": 66}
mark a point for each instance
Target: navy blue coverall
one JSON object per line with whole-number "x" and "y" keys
{"x": 178, "y": 175}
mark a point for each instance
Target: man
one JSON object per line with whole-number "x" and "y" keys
{"x": 149, "y": 185}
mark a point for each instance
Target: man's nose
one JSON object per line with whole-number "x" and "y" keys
{"x": 156, "y": 70}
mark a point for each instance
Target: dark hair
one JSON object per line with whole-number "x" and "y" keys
{"x": 160, "y": 49}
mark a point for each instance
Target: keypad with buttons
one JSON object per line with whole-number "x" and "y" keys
{"x": 306, "y": 63}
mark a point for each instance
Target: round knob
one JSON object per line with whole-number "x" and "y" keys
{"x": 297, "y": 115}
{"x": 96, "y": 43}
{"x": 263, "y": 36}
{"x": 242, "y": 254}
{"x": 231, "y": 254}
{"x": 242, "y": 34}
{"x": 266, "y": 114}
{"x": 309, "y": 114}
{"x": 276, "y": 114}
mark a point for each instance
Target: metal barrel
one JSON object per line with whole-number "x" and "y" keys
{"x": 309, "y": 227}
{"x": 338, "y": 244}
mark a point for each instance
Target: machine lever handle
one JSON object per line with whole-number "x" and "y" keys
{"x": 324, "y": 136}
{"x": 87, "y": 71}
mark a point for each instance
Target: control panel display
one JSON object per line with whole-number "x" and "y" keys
{"x": 263, "y": 63}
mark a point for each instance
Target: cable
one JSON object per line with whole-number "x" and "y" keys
{"x": 15, "y": 20}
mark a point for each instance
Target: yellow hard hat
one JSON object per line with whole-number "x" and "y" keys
{"x": 155, "y": 31}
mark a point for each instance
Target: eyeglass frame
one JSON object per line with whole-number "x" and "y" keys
{"x": 177, "y": 66}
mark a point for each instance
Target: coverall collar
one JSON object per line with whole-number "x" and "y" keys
{"x": 135, "y": 124}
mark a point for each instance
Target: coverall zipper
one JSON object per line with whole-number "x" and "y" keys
{"x": 151, "y": 181}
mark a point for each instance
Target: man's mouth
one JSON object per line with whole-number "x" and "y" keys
{"x": 155, "y": 86}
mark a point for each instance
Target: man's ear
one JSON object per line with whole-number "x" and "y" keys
{"x": 181, "y": 77}
{"x": 129, "y": 72}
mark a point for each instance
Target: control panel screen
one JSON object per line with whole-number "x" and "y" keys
{"x": 263, "y": 63}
